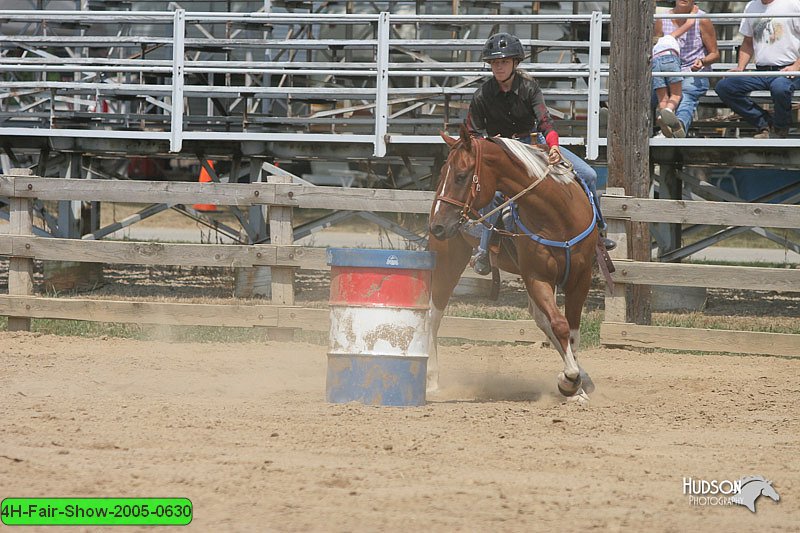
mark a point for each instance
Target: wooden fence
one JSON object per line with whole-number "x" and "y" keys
{"x": 615, "y": 331}
{"x": 284, "y": 258}
{"x": 20, "y": 305}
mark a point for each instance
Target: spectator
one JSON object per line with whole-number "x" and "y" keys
{"x": 511, "y": 104}
{"x": 774, "y": 45}
{"x": 698, "y": 52}
{"x": 667, "y": 58}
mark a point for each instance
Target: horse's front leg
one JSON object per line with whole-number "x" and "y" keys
{"x": 542, "y": 304}
{"x": 452, "y": 256}
{"x": 432, "y": 378}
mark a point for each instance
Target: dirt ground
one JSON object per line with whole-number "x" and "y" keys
{"x": 243, "y": 430}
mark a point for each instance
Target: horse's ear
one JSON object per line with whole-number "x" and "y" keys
{"x": 449, "y": 140}
{"x": 466, "y": 138}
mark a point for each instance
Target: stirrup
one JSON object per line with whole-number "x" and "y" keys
{"x": 608, "y": 244}
{"x": 481, "y": 264}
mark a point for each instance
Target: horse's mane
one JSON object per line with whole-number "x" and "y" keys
{"x": 745, "y": 480}
{"x": 533, "y": 159}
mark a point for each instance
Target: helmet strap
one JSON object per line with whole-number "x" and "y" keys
{"x": 513, "y": 72}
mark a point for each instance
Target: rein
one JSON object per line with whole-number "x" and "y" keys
{"x": 475, "y": 189}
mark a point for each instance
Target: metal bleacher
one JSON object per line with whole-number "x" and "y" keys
{"x": 83, "y": 83}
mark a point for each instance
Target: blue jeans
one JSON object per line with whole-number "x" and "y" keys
{"x": 666, "y": 63}
{"x": 735, "y": 93}
{"x": 692, "y": 89}
{"x": 581, "y": 167}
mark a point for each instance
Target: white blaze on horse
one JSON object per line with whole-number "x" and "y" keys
{"x": 554, "y": 244}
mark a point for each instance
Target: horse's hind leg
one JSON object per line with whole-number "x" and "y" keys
{"x": 574, "y": 301}
{"x": 542, "y": 303}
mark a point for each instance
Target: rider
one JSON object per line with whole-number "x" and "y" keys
{"x": 511, "y": 104}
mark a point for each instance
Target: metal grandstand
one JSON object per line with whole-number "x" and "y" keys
{"x": 84, "y": 83}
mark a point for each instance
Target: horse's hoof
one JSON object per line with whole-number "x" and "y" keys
{"x": 566, "y": 386}
{"x": 581, "y": 398}
{"x": 588, "y": 384}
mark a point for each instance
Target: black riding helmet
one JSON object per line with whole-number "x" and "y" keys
{"x": 501, "y": 45}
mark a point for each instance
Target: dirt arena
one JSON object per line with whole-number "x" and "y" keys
{"x": 243, "y": 430}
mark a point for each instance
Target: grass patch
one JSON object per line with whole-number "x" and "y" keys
{"x": 477, "y": 311}
{"x": 759, "y": 264}
{"x": 80, "y": 328}
{"x": 742, "y": 240}
{"x": 590, "y": 327}
{"x": 730, "y": 323}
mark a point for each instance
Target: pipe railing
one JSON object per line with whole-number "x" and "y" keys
{"x": 163, "y": 87}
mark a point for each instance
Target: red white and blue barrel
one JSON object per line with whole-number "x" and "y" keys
{"x": 380, "y": 330}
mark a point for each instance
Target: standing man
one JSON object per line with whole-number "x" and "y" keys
{"x": 774, "y": 44}
{"x": 511, "y": 104}
{"x": 698, "y": 52}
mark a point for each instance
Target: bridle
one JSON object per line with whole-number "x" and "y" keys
{"x": 474, "y": 190}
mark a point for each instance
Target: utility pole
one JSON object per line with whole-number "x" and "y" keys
{"x": 629, "y": 127}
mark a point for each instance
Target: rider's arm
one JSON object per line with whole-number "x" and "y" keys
{"x": 476, "y": 121}
{"x": 544, "y": 121}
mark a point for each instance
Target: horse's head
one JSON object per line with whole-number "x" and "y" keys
{"x": 751, "y": 488}
{"x": 769, "y": 491}
{"x": 461, "y": 190}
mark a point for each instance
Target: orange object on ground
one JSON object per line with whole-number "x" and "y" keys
{"x": 205, "y": 178}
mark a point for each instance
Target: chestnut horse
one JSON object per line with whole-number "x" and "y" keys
{"x": 555, "y": 243}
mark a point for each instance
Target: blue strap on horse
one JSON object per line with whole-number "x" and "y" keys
{"x": 567, "y": 245}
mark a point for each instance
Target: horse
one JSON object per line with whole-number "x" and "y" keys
{"x": 555, "y": 245}
{"x": 751, "y": 488}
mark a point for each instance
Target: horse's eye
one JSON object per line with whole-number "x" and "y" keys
{"x": 461, "y": 178}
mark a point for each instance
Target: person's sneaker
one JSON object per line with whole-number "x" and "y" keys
{"x": 679, "y": 132}
{"x": 666, "y": 130}
{"x": 762, "y": 134}
{"x": 779, "y": 133}
{"x": 480, "y": 263}
{"x": 608, "y": 243}
{"x": 668, "y": 117}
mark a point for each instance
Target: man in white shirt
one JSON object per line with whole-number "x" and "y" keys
{"x": 773, "y": 43}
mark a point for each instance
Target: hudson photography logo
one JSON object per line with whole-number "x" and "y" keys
{"x": 725, "y": 492}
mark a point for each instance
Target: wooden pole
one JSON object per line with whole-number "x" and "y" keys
{"x": 281, "y": 231}
{"x": 20, "y": 269}
{"x": 629, "y": 126}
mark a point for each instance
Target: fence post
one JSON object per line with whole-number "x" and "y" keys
{"x": 382, "y": 85}
{"x": 615, "y": 304}
{"x": 178, "y": 36}
{"x": 281, "y": 232}
{"x": 593, "y": 103}
{"x": 20, "y": 269}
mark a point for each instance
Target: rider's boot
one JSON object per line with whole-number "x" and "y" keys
{"x": 608, "y": 244}
{"x": 480, "y": 261}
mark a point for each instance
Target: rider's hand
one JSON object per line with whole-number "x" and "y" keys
{"x": 554, "y": 156}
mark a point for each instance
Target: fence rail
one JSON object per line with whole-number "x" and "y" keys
{"x": 614, "y": 329}
{"x": 23, "y": 247}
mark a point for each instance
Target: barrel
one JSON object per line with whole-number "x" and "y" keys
{"x": 379, "y": 326}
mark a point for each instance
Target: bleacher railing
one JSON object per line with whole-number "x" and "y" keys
{"x": 170, "y": 76}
